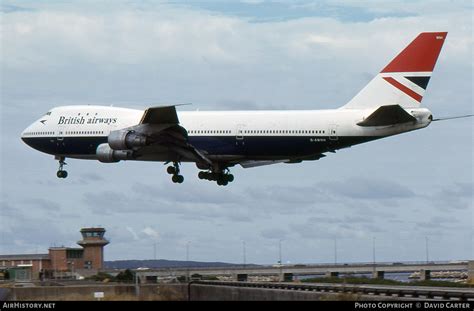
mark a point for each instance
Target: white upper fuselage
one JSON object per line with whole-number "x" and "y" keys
{"x": 71, "y": 121}
{"x": 315, "y": 126}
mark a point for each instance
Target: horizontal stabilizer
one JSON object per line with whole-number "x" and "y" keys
{"x": 387, "y": 115}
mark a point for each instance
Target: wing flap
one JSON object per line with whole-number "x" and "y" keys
{"x": 387, "y": 115}
{"x": 256, "y": 163}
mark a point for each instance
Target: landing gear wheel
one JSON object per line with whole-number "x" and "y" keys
{"x": 222, "y": 178}
{"x": 171, "y": 170}
{"x": 61, "y": 173}
{"x": 177, "y": 179}
{"x": 174, "y": 170}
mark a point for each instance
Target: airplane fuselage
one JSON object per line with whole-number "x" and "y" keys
{"x": 216, "y": 140}
{"x": 77, "y": 131}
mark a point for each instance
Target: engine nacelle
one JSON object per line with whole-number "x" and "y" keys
{"x": 106, "y": 154}
{"x": 123, "y": 140}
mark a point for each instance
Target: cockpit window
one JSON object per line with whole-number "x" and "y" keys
{"x": 48, "y": 113}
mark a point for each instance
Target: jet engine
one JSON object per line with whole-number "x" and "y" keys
{"x": 123, "y": 140}
{"x": 106, "y": 154}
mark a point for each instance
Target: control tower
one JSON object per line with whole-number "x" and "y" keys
{"x": 93, "y": 242}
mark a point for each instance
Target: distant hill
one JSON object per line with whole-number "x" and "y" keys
{"x": 163, "y": 263}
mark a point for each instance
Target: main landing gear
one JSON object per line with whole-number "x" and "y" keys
{"x": 218, "y": 174}
{"x": 61, "y": 172}
{"x": 222, "y": 178}
{"x": 174, "y": 170}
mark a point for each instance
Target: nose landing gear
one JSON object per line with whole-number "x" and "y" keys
{"x": 174, "y": 170}
{"x": 61, "y": 172}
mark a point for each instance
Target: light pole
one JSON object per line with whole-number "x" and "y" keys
{"x": 426, "y": 249}
{"x": 279, "y": 261}
{"x": 335, "y": 251}
{"x": 187, "y": 261}
{"x": 244, "y": 254}
{"x": 137, "y": 287}
{"x": 279, "y": 251}
{"x": 187, "y": 251}
{"x": 373, "y": 252}
{"x": 154, "y": 250}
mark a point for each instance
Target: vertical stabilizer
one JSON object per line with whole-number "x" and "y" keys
{"x": 404, "y": 80}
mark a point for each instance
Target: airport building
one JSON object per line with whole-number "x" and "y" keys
{"x": 60, "y": 262}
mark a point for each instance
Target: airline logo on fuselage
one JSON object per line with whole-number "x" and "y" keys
{"x": 83, "y": 120}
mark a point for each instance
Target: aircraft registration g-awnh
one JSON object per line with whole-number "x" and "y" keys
{"x": 216, "y": 140}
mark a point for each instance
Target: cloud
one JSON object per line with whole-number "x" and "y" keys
{"x": 305, "y": 55}
{"x": 174, "y": 195}
{"x": 9, "y": 8}
{"x": 152, "y": 233}
{"x": 457, "y": 196}
{"x": 34, "y": 236}
{"x": 189, "y": 205}
{"x": 90, "y": 177}
{"x": 274, "y": 233}
{"x": 45, "y": 204}
{"x": 363, "y": 188}
{"x": 133, "y": 233}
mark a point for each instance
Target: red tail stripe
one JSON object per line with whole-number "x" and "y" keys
{"x": 420, "y": 55}
{"x": 403, "y": 88}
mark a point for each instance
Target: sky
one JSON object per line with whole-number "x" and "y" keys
{"x": 407, "y": 197}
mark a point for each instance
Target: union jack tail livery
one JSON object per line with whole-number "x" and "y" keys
{"x": 404, "y": 80}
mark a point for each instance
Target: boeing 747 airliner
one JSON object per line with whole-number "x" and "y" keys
{"x": 218, "y": 140}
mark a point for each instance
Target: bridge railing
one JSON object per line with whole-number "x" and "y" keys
{"x": 418, "y": 292}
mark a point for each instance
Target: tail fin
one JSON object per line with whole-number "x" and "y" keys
{"x": 404, "y": 80}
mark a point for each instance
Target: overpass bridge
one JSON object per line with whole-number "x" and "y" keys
{"x": 287, "y": 272}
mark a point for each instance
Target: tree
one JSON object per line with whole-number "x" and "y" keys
{"x": 125, "y": 276}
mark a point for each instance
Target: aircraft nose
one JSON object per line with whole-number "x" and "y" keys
{"x": 25, "y": 134}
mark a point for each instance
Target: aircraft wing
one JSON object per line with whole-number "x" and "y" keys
{"x": 160, "y": 115}
{"x": 161, "y": 126}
